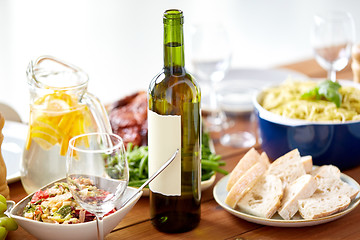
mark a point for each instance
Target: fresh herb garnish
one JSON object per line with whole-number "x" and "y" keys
{"x": 327, "y": 90}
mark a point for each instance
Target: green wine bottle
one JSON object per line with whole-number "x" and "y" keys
{"x": 174, "y": 121}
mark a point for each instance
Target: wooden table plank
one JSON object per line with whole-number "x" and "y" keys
{"x": 312, "y": 69}
{"x": 215, "y": 224}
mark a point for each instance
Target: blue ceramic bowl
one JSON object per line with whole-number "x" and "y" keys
{"x": 327, "y": 143}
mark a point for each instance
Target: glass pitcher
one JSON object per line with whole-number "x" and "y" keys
{"x": 60, "y": 108}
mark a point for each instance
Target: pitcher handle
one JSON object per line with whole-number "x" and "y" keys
{"x": 98, "y": 111}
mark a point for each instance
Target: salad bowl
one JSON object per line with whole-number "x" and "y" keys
{"x": 79, "y": 231}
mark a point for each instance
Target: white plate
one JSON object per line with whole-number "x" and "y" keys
{"x": 12, "y": 148}
{"x": 220, "y": 194}
{"x": 204, "y": 185}
{"x": 251, "y": 79}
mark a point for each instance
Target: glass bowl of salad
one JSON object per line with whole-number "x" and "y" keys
{"x": 52, "y": 213}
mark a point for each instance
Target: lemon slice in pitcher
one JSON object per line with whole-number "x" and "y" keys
{"x": 45, "y": 140}
{"x": 56, "y": 118}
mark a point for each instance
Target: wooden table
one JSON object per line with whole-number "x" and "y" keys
{"x": 215, "y": 222}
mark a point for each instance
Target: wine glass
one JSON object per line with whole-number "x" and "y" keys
{"x": 211, "y": 57}
{"x": 235, "y": 101}
{"x": 332, "y": 36}
{"x": 97, "y": 173}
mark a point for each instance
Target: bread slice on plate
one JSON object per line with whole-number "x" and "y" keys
{"x": 326, "y": 171}
{"x": 244, "y": 184}
{"x": 322, "y": 206}
{"x": 301, "y": 188}
{"x": 287, "y": 167}
{"x": 329, "y": 182}
{"x": 264, "y": 159}
{"x": 307, "y": 163}
{"x": 246, "y": 162}
{"x": 332, "y": 194}
{"x": 264, "y": 198}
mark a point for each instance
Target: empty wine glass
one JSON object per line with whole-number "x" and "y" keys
{"x": 234, "y": 99}
{"x": 211, "y": 57}
{"x": 97, "y": 173}
{"x": 332, "y": 36}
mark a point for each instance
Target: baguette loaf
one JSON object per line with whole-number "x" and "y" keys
{"x": 301, "y": 188}
{"x": 322, "y": 206}
{"x": 244, "y": 184}
{"x": 264, "y": 198}
{"x": 246, "y": 162}
{"x": 287, "y": 167}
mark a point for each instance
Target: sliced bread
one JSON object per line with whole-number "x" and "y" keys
{"x": 246, "y": 162}
{"x": 301, "y": 188}
{"x": 244, "y": 184}
{"x": 307, "y": 163}
{"x": 329, "y": 182}
{"x": 264, "y": 198}
{"x": 264, "y": 159}
{"x": 334, "y": 186}
{"x": 322, "y": 206}
{"x": 287, "y": 167}
{"x": 326, "y": 171}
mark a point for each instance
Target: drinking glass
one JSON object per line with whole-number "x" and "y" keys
{"x": 97, "y": 173}
{"x": 235, "y": 101}
{"x": 332, "y": 36}
{"x": 211, "y": 57}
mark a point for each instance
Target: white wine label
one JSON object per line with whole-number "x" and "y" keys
{"x": 164, "y": 137}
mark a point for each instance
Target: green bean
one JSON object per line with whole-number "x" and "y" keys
{"x": 206, "y": 164}
{"x": 143, "y": 162}
{"x": 207, "y": 175}
{"x": 137, "y": 183}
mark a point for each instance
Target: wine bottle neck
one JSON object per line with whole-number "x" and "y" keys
{"x": 173, "y": 40}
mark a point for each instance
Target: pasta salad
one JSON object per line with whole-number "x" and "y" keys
{"x": 57, "y": 205}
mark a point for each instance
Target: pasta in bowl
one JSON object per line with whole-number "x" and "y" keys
{"x": 287, "y": 100}
{"x": 316, "y": 127}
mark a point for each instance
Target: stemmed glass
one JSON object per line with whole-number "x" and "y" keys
{"x": 211, "y": 57}
{"x": 332, "y": 37}
{"x": 234, "y": 99}
{"x": 97, "y": 173}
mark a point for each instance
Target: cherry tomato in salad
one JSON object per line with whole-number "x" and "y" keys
{"x": 39, "y": 195}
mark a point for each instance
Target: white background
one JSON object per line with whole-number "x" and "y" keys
{"x": 119, "y": 42}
